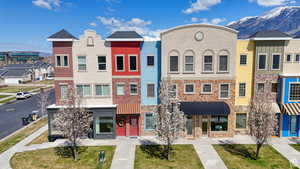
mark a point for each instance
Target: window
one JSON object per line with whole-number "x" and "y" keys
{"x": 105, "y": 125}
{"x": 173, "y": 91}
{"x": 260, "y": 87}
{"x": 150, "y": 90}
{"x": 173, "y": 64}
{"x": 132, "y": 63}
{"x": 189, "y": 63}
{"x": 133, "y": 89}
{"x": 208, "y": 64}
{"x": 242, "y": 89}
{"x": 58, "y": 61}
{"x": 90, "y": 41}
{"x": 223, "y": 63}
{"x": 243, "y": 59}
{"x": 149, "y": 121}
{"x": 288, "y": 58}
{"x": 63, "y": 91}
{"x": 274, "y": 87}
{"x": 83, "y": 90}
{"x": 150, "y": 60}
{"x": 276, "y": 62}
{"x": 102, "y": 90}
{"x": 206, "y": 88}
{"x": 262, "y": 61}
{"x": 82, "y": 63}
{"x": 66, "y": 61}
{"x": 294, "y": 91}
{"x": 297, "y": 58}
{"x": 224, "y": 91}
{"x": 120, "y": 63}
{"x": 219, "y": 123}
{"x": 241, "y": 120}
{"x": 101, "y": 62}
{"x": 189, "y": 88}
{"x": 120, "y": 89}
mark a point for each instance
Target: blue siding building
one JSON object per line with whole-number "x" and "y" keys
{"x": 290, "y": 105}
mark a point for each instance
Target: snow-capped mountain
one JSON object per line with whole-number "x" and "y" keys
{"x": 285, "y": 19}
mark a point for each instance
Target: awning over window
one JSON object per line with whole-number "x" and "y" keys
{"x": 205, "y": 108}
{"x": 291, "y": 108}
{"x": 128, "y": 109}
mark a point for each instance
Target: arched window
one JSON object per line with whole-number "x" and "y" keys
{"x": 208, "y": 61}
{"x": 174, "y": 61}
{"x": 90, "y": 41}
{"x": 223, "y": 61}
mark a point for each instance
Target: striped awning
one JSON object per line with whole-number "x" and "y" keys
{"x": 128, "y": 109}
{"x": 291, "y": 108}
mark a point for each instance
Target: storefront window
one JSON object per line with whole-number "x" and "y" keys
{"x": 241, "y": 120}
{"x": 219, "y": 123}
{"x": 104, "y": 125}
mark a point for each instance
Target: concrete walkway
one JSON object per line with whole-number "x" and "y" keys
{"x": 124, "y": 155}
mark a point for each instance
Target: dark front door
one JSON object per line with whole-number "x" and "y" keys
{"x": 189, "y": 125}
{"x": 204, "y": 125}
{"x": 121, "y": 126}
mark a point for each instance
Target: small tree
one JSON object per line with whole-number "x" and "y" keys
{"x": 262, "y": 121}
{"x": 73, "y": 120}
{"x": 169, "y": 121}
{"x": 43, "y": 101}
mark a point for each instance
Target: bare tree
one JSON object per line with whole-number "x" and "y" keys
{"x": 262, "y": 121}
{"x": 73, "y": 120}
{"x": 43, "y": 101}
{"x": 169, "y": 121}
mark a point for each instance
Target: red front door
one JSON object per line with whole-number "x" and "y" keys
{"x": 134, "y": 126}
{"x": 121, "y": 126}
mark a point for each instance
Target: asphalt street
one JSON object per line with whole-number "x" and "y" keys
{"x": 11, "y": 114}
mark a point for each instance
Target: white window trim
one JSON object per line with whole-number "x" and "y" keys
{"x": 91, "y": 89}
{"x": 229, "y": 94}
{"x": 87, "y": 42}
{"x": 63, "y": 84}
{"x": 279, "y": 60}
{"x": 266, "y": 62}
{"x": 292, "y": 58}
{"x": 228, "y": 63}
{"x": 212, "y": 64}
{"x": 136, "y": 60}
{"x": 102, "y": 85}
{"x": 78, "y": 63}
{"x": 184, "y": 64}
{"x": 290, "y": 92}
{"x": 211, "y": 86}
{"x": 245, "y": 89}
{"x": 246, "y": 59}
{"x": 116, "y": 65}
{"x": 102, "y": 63}
{"x": 117, "y": 89}
{"x": 147, "y": 61}
{"x": 62, "y": 60}
{"x": 153, "y": 91}
{"x": 185, "y": 84}
{"x": 137, "y": 89}
{"x": 169, "y": 64}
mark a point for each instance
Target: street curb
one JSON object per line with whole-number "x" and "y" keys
{"x": 20, "y": 129}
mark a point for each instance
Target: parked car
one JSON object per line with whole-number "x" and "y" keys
{"x": 50, "y": 78}
{"x": 23, "y": 95}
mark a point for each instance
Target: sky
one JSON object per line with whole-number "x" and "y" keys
{"x": 26, "y": 24}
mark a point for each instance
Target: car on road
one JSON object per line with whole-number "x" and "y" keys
{"x": 23, "y": 95}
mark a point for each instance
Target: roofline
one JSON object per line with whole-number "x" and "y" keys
{"x": 60, "y": 40}
{"x": 272, "y": 38}
{"x": 54, "y": 106}
{"x": 202, "y": 25}
{"x": 124, "y": 39}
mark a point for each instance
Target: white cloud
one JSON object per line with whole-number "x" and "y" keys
{"x": 267, "y": 3}
{"x": 214, "y": 21}
{"x": 135, "y": 24}
{"x": 93, "y": 24}
{"x": 201, "y": 5}
{"x": 48, "y": 4}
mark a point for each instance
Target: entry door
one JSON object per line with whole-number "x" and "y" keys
{"x": 121, "y": 126}
{"x": 293, "y": 126}
{"x": 134, "y": 126}
{"x": 189, "y": 125}
{"x": 204, "y": 125}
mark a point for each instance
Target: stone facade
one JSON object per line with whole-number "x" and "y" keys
{"x": 267, "y": 79}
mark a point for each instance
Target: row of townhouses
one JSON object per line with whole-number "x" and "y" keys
{"x": 214, "y": 75}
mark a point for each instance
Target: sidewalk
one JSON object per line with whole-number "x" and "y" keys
{"x": 124, "y": 155}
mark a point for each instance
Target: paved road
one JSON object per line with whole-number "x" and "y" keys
{"x": 11, "y": 114}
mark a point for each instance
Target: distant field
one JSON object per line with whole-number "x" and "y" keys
{"x": 15, "y": 89}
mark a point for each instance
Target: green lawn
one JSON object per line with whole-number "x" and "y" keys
{"x": 242, "y": 157}
{"x": 151, "y": 157}
{"x": 47, "y": 82}
{"x": 43, "y": 138}
{"x": 15, "y": 89}
{"x": 296, "y": 146}
{"x": 3, "y": 96}
{"x": 14, "y": 139}
{"x": 60, "y": 158}
{"x": 7, "y": 100}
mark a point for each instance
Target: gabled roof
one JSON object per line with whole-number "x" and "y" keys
{"x": 270, "y": 35}
{"x": 62, "y": 35}
{"x": 125, "y": 36}
{"x": 18, "y": 66}
{"x": 297, "y": 37}
{"x": 15, "y": 72}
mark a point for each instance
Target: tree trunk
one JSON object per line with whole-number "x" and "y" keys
{"x": 74, "y": 150}
{"x": 258, "y": 146}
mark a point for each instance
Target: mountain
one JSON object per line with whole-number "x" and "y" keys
{"x": 285, "y": 19}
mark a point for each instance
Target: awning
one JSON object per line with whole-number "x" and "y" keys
{"x": 128, "y": 109}
{"x": 291, "y": 108}
{"x": 205, "y": 108}
{"x": 275, "y": 108}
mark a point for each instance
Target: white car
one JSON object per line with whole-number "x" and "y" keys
{"x": 23, "y": 95}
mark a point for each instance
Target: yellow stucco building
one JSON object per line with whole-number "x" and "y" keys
{"x": 244, "y": 80}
